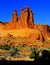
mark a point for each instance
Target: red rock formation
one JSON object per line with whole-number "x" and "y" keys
{"x": 25, "y": 21}
{"x": 49, "y": 29}
{"x": 13, "y": 20}
{"x": 26, "y": 18}
{"x": 36, "y": 36}
{"x": 30, "y": 20}
{"x": 43, "y": 28}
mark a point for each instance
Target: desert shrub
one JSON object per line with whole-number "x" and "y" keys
{"x": 6, "y": 47}
{"x": 35, "y": 53}
{"x": 1, "y": 46}
{"x": 32, "y": 55}
{"x": 45, "y": 54}
{"x": 13, "y": 51}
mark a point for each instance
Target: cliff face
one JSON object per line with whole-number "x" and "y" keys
{"x": 49, "y": 28}
{"x": 43, "y": 28}
{"x": 25, "y": 20}
{"x": 13, "y": 20}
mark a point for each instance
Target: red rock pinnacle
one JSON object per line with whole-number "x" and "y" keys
{"x": 13, "y": 20}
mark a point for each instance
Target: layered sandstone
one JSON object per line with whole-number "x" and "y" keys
{"x": 25, "y": 21}
{"x": 43, "y": 28}
{"x": 13, "y": 20}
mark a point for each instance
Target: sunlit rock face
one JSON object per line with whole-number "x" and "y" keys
{"x": 42, "y": 28}
{"x": 13, "y": 20}
{"x": 25, "y": 21}
{"x": 4, "y": 25}
{"x": 26, "y": 18}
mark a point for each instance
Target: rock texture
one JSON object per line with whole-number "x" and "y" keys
{"x": 25, "y": 20}
{"x": 13, "y": 20}
{"x": 43, "y": 28}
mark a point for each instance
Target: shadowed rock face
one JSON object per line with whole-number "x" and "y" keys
{"x": 49, "y": 29}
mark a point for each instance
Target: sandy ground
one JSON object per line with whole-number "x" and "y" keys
{"x": 19, "y": 59}
{"x": 15, "y": 58}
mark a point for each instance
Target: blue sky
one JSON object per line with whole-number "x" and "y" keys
{"x": 40, "y": 8}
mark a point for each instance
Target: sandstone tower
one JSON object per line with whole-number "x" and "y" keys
{"x": 13, "y": 20}
{"x": 24, "y": 21}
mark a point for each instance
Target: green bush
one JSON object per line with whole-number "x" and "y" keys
{"x": 13, "y": 51}
{"x": 45, "y": 54}
{"x": 6, "y": 47}
{"x": 32, "y": 55}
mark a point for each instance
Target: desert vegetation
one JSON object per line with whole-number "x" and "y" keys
{"x": 22, "y": 39}
{"x": 12, "y": 48}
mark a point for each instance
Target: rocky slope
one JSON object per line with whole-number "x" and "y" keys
{"x": 23, "y": 25}
{"x": 20, "y": 36}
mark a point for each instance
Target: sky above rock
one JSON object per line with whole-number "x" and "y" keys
{"x": 40, "y": 8}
